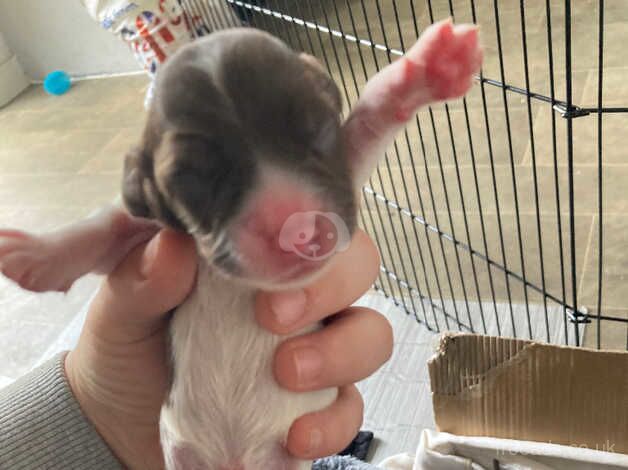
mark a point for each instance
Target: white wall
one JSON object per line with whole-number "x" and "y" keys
{"x": 12, "y": 78}
{"x": 47, "y": 35}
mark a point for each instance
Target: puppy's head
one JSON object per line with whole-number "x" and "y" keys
{"x": 243, "y": 149}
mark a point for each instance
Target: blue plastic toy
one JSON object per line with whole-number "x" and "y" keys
{"x": 57, "y": 83}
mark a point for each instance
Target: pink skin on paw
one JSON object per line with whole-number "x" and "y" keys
{"x": 439, "y": 67}
{"x": 442, "y": 62}
{"x": 53, "y": 261}
{"x": 30, "y": 262}
{"x": 10, "y": 233}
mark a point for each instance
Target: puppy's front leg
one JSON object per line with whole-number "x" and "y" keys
{"x": 438, "y": 67}
{"x": 53, "y": 261}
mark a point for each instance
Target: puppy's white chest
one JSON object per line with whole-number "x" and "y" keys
{"x": 225, "y": 408}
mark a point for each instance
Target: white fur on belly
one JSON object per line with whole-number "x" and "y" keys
{"x": 224, "y": 405}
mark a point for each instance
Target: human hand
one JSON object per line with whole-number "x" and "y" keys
{"x": 354, "y": 343}
{"x": 119, "y": 369}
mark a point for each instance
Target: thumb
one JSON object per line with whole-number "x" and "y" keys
{"x": 153, "y": 279}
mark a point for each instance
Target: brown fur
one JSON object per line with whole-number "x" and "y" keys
{"x": 224, "y": 106}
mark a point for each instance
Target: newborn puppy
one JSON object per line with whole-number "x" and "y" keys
{"x": 244, "y": 134}
{"x": 244, "y": 149}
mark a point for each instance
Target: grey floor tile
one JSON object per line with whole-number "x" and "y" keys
{"x": 69, "y": 190}
{"x": 30, "y": 323}
{"x": 44, "y": 144}
{"x": 34, "y": 98}
{"x": 426, "y": 191}
{"x": 40, "y": 153}
{"x": 614, "y": 265}
{"x": 614, "y": 88}
{"x": 110, "y": 158}
{"x": 439, "y": 269}
{"x": 585, "y": 139}
{"x": 23, "y": 342}
{"x": 41, "y": 219}
{"x": 612, "y": 334}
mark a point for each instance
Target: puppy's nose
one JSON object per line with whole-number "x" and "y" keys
{"x": 278, "y": 236}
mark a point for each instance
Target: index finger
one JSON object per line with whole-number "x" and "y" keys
{"x": 350, "y": 275}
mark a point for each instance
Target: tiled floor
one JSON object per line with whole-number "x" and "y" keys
{"x": 60, "y": 158}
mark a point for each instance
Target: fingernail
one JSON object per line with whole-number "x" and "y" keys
{"x": 149, "y": 256}
{"x": 316, "y": 441}
{"x": 288, "y": 307}
{"x": 308, "y": 364}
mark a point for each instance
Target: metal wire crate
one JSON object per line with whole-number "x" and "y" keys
{"x": 482, "y": 216}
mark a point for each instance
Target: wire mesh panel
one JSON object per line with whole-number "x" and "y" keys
{"x": 490, "y": 212}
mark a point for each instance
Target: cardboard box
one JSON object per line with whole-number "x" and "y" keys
{"x": 517, "y": 389}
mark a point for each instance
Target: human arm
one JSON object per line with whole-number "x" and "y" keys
{"x": 115, "y": 380}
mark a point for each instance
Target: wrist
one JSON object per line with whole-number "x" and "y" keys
{"x": 136, "y": 444}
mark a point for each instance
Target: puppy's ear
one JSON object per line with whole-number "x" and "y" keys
{"x": 140, "y": 193}
{"x": 184, "y": 176}
{"x": 321, "y": 81}
{"x": 132, "y": 185}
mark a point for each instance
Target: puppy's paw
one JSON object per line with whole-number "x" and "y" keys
{"x": 443, "y": 61}
{"x": 32, "y": 262}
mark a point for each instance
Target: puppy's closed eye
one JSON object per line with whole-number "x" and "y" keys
{"x": 202, "y": 178}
